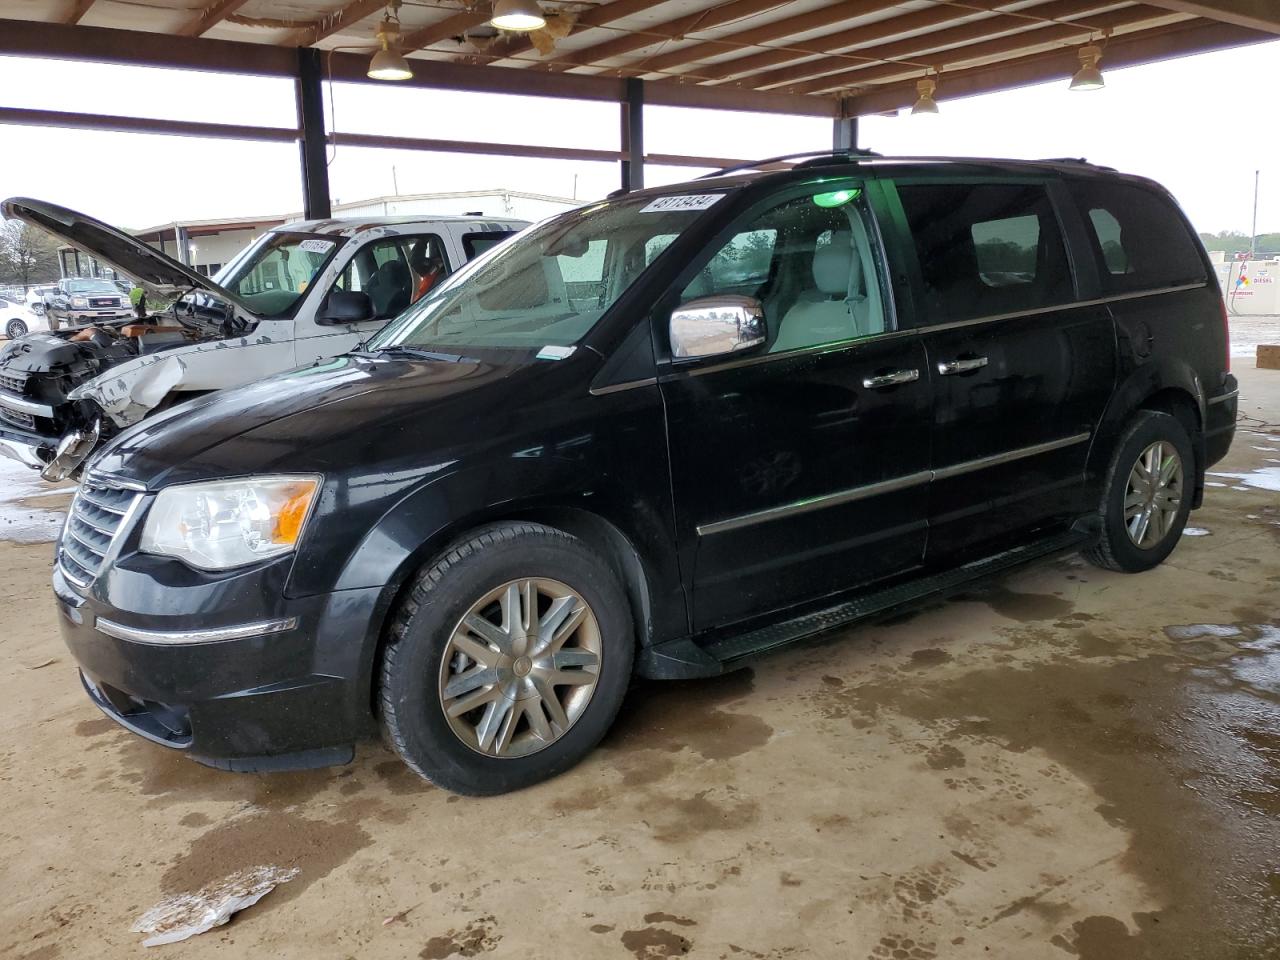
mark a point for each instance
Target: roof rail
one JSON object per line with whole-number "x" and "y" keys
{"x": 813, "y": 156}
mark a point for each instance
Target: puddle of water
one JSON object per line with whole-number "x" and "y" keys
{"x": 1190, "y": 631}
{"x": 23, "y": 518}
{"x": 1264, "y": 478}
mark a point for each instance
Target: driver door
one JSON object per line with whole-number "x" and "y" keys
{"x": 799, "y": 468}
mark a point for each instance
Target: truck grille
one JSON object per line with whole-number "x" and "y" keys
{"x": 104, "y": 302}
{"x": 94, "y": 521}
{"x": 13, "y": 382}
{"x": 17, "y": 418}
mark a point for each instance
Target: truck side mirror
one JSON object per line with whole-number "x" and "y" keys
{"x": 345, "y": 306}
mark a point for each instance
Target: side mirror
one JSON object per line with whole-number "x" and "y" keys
{"x": 345, "y": 306}
{"x": 710, "y": 326}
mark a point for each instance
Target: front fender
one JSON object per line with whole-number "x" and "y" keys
{"x": 128, "y": 392}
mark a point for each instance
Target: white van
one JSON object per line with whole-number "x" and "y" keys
{"x": 305, "y": 291}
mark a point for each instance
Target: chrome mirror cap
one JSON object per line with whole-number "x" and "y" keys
{"x": 710, "y": 326}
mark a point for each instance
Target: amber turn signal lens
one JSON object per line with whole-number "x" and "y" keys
{"x": 292, "y": 512}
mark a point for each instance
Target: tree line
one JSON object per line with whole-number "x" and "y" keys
{"x": 1233, "y": 243}
{"x": 27, "y": 256}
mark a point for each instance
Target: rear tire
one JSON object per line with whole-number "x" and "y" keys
{"x": 1147, "y": 495}
{"x": 15, "y": 329}
{"x": 474, "y": 696}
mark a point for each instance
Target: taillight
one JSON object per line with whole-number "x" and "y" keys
{"x": 1226, "y": 339}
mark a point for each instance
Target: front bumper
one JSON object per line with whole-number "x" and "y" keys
{"x": 298, "y": 697}
{"x": 84, "y": 318}
{"x": 30, "y": 449}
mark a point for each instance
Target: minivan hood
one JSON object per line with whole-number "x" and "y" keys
{"x": 163, "y": 278}
{"x": 310, "y": 411}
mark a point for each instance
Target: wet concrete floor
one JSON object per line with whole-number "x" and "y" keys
{"x": 1067, "y": 763}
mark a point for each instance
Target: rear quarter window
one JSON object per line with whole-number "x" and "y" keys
{"x": 1139, "y": 239}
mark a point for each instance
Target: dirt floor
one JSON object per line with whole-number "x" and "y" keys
{"x": 1068, "y": 763}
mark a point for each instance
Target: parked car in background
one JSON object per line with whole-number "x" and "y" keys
{"x": 303, "y": 292}
{"x": 17, "y": 319}
{"x": 664, "y": 433}
{"x": 79, "y": 302}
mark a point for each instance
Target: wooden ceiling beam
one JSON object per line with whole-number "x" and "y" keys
{"x": 454, "y": 25}
{"x": 972, "y": 31}
{"x": 670, "y": 30}
{"x": 78, "y": 9}
{"x": 330, "y": 24}
{"x": 599, "y": 16}
{"x": 1146, "y": 46}
{"x": 765, "y": 33}
{"x": 1254, "y": 14}
{"x": 1011, "y": 46}
{"x": 209, "y": 17}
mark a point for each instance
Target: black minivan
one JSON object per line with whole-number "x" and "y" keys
{"x": 659, "y": 434}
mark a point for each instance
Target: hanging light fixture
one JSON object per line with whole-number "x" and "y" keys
{"x": 388, "y": 63}
{"x": 518, "y": 16}
{"x": 925, "y": 103}
{"x": 1089, "y": 77}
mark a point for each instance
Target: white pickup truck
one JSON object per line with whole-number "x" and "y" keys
{"x": 305, "y": 291}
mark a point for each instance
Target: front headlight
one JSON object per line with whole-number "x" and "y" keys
{"x": 229, "y": 523}
{"x": 79, "y": 301}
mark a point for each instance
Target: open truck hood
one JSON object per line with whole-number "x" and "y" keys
{"x": 163, "y": 278}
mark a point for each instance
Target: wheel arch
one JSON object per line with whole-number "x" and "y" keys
{"x": 597, "y": 531}
{"x": 1162, "y": 388}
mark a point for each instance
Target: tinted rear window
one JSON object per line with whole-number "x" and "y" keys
{"x": 986, "y": 249}
{"x": 1139, "y": 239}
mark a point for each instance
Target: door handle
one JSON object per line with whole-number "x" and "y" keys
{"x": 949, "y": 367}
{"x": 891, "y": 379}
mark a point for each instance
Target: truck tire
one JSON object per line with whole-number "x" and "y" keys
{"x": 507, "y": 660}
{"x": 1147, "y": 494}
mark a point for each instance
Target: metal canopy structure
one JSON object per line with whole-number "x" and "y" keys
{"x": 825, "y": 58}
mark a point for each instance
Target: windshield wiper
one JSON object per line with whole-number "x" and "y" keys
{"x": 400, "y": 350}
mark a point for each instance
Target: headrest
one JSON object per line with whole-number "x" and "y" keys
{"x": 836, "y": 271}
{"x": 422, "y": 255}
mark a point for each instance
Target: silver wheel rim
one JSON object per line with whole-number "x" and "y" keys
{"x": 520, "y": 668}
{"x": 1154, "y": 495}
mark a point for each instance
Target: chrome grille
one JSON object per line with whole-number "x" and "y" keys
{"x": 13, "y": 382}
{"x": 17, "y": 418}
{"x": 95, "y": 519}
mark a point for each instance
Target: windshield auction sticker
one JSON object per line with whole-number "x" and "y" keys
{"x": 316, "y": 246}
{"x": 699, "y": 201}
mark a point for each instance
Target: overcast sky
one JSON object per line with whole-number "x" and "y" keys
{"x": 1200, "y": 125}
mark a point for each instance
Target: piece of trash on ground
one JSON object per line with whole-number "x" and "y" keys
{"x": 398, "y": 917}
{"x": 1195, "y": 532}
{"x": 43, "y": 663}
{"x": 186, "y": 914}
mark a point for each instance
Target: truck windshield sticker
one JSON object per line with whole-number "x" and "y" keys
{"x": 699, "y": 201}
{"x": 316, "y": 246}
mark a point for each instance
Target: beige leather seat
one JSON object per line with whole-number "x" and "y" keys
{"x": 837, "y": 307}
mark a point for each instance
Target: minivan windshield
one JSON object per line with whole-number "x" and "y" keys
{"x": 547, "y": 286}
{"x": 275, "y": 274}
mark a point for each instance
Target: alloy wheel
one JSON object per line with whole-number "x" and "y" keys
{"x": 1153, "y": 495}
{"x": 520, "y": 667}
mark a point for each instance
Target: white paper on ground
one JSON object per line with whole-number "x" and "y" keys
{"x": 187, "y": 914}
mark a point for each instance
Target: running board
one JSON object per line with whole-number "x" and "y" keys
{"x": 685, "y": 658}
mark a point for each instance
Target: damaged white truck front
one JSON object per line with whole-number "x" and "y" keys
{"x": 302, "y": 292}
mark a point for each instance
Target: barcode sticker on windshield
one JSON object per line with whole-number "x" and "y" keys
{"x": 699, "y": 201}
{"x": 551, "y": 352}
{"x": 316, "y": 246}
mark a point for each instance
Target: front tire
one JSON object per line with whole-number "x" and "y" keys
{"x": 1147, "y": 496}
{"x": 15, "y": 329}
{"x": 508, "y": 660}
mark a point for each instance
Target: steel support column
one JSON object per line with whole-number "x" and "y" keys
{"x": 633, "y": 135}
{"x": 844, "y": 134}
{"x": 311, "y": 145}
